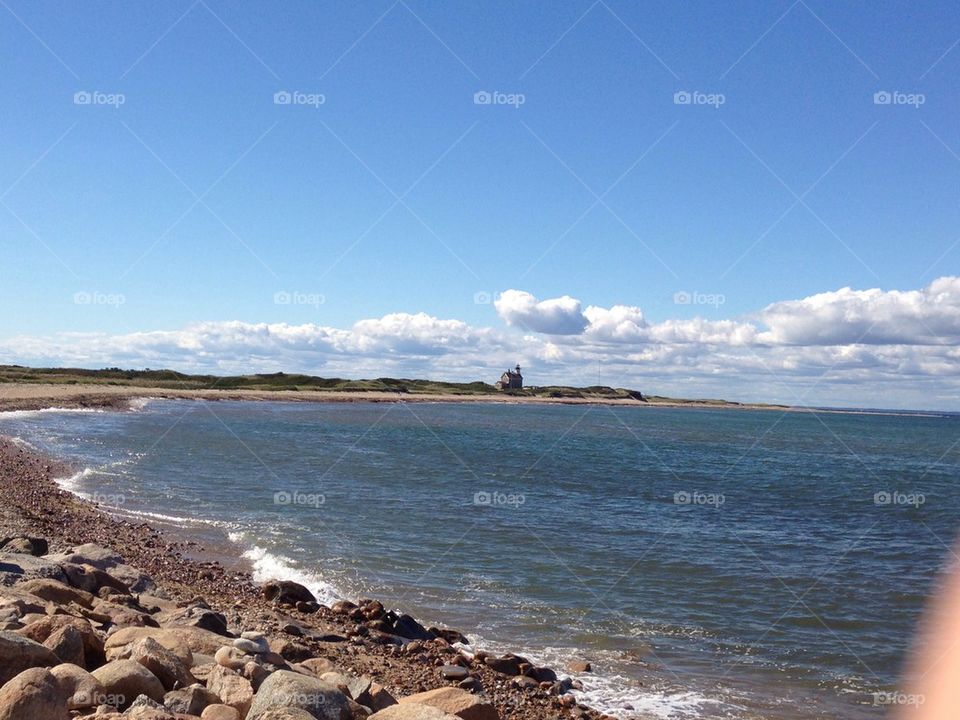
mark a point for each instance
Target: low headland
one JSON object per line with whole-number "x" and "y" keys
{"x": 23, "y": 388}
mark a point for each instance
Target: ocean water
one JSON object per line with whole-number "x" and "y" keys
{"x": 709, "y": 563}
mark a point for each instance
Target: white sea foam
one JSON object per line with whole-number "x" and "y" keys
{"x": 20, "y": 414}
{"x": 269, "y": 566}
{"x": 72, "y": 483}
{"x": 612, "y": 693}
{"x": 21, "y": 442}
{"x": 169, "y": 518}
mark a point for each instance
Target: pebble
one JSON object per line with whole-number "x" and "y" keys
{"x": 252, "y": 647}
{"x": 454, "y": 672}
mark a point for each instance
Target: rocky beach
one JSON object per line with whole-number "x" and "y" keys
{"x": 101, "y": 617}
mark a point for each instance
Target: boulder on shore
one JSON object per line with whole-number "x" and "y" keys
{"x": 67, "y": 644}
{"x": 286, "y": 592}
{"x": 34, "y": 694}
{"x": 455, "y": 701}
{"x": 15, "y": 567}
{"x": 288, "y": 689}
{"x": 169, "y": 669}
{"x": 411, "y": 711}
{"x": 127, "y": 680}
{"x": 191, "y": 700}
{"x": 232, "y": 688}
{"x": 26, "y": 545}
{"x": 18, "y": 653}
{"x": 181, "y": 641}
{"x": 81, "y": 688}
{"x": 44, "y": 628}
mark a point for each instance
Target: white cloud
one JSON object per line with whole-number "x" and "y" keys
{"x": 846, "y": 347}
{"x": 559, "y": 316}
{"x": 929, "y": 316}
{"x": 617, "y": 324}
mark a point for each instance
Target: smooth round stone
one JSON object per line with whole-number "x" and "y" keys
{"x": 454, "y": 672}
{"x": 231, "y": 657}
{"x": 253, "y": 647}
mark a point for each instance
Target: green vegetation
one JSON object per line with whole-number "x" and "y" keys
{"x": 172, "y": 380}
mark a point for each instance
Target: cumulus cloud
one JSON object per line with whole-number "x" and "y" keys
{"x": 929, "y": 316}
{"x": 845, "y": 347}
{"x": 616, "y": 324}
{"x": 558, "y": 316}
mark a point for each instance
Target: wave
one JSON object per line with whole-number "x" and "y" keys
{"x": 270, "y": 566}
{"x": 168, "y": 518}
{"x": 72, "y": 483}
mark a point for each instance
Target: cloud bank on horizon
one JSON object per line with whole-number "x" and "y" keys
{"x": 879, "y": 348}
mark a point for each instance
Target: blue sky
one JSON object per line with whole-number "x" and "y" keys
{"x": 199, "y": 199}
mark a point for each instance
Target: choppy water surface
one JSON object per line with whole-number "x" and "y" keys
{"x": 710, "y": 563}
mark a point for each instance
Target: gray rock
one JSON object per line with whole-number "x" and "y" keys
{"x": 454, "y": 672}
{"x": 508, "y": 664}
{"x": 286, "y": 689}
{"x": 201, "y": 617}
{"x": 543, "y": 674}
{"x": 189, "y": 700}
{"x": 285, "y": 714}
{"x": 251, "y": 647}
{"x": 286, "y": 592}
{"x": 15, "y": 567}
{"x": 105, "y": 559}
{"x": 405, "y": 626}
{"x": 451, "y": 636}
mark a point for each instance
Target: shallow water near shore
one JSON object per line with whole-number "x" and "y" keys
{"x": 709, "y": 563}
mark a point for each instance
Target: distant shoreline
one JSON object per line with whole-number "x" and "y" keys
{"x": 39, "y": 396}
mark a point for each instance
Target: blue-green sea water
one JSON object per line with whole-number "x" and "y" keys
{"x": 709, "y": 563}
